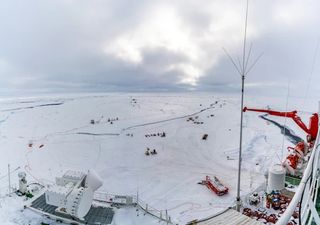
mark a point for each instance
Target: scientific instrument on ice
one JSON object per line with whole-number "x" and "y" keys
{"x": 73, "y": 192}
{"x": 215, "y": 185}
{"x": 22, "y": 183}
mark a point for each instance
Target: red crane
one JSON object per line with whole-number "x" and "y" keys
{"x": 312, "y": 130}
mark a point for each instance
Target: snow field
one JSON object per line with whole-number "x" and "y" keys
{"x": 166, "y": 181}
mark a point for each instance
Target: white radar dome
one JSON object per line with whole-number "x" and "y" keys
{"x": 276, "y": 178}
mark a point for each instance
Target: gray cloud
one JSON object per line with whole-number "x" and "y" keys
{"x": 66, "y": 45}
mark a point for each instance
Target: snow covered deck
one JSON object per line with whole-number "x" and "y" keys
{"x": 96, "y": 215}
{"x": 230, "y": 217}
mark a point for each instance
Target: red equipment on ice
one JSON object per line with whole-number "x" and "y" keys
{"x": 215, "y": 185}
{"x": 312, "y": 131}
{"x": 302, "y": 148}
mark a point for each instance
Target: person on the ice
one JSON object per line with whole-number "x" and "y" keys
{"x": 154, "y": 152}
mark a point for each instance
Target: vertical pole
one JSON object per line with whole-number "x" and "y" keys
{"x": 137, "y": 195}
{"x": 243, "y": 70}
{"x": 240, "y": 147}
{"x": 9, "y": 179}
{"x": 245, "y": 42}
{"x": 137, "y": 202}
{"x": 167, "y": 216}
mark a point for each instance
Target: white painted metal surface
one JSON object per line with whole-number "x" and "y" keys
{"x": 276, "y": 178}
{"x": 93, "y": 180}
{"x": 73, "y": 192}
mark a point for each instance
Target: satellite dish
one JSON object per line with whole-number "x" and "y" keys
{"x": 93, "y": 180}
{"x": 85, "y": 203}
{"x": 79, "y": 202}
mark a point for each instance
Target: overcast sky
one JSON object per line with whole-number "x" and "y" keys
{"x": 150, "y": 45}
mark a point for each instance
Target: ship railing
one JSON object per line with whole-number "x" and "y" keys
{"x": 162, "y": 215}
{"x": 306, "y": 195}
{"x": 132, "y": 200}
{"x": 114, "y": 199}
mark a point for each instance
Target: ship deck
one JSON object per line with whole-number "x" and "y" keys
{"x": 230, "y": 217}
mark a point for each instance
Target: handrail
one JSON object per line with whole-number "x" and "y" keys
{"x": 162, "y": 215}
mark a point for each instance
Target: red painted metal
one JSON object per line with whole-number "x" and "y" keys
{"x": 301, "y": 149}
{"x": 293, "y": 160}
{"x": 312, "y": 131}
{"x": 215, "y": 185}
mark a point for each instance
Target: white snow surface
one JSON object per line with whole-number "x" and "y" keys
{"x": 166, "y": 181}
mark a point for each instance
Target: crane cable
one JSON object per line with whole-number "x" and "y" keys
{"x": 285, "y": 119}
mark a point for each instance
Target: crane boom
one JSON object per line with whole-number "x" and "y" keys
{"x": 312, "y": 130}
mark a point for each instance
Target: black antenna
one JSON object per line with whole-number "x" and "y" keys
{"x": 243, "y": 69}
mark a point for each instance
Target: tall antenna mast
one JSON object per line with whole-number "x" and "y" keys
{"x": 243, "y": 70}
{"x": 238, "y": 199}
